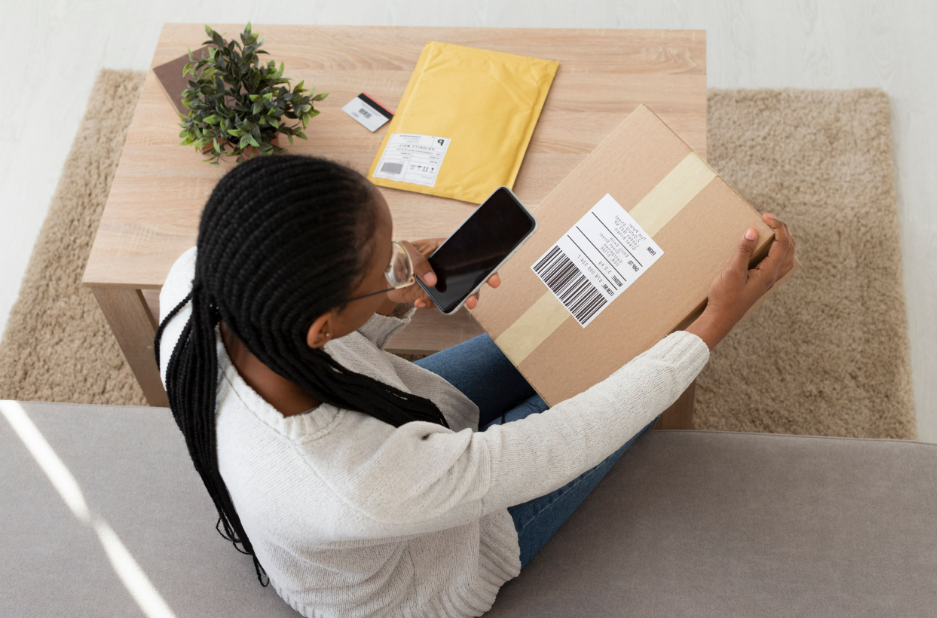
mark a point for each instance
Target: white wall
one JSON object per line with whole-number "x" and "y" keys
{"x": 56, "y": 47}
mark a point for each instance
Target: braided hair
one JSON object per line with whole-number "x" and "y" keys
{"x": 282, "y": 240}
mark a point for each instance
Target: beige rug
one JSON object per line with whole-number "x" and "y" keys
{"x": 57, "y": 345}
{"x": 828, "y": 354}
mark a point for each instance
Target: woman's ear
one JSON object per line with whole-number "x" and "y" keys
{"x": 320, "y": 332}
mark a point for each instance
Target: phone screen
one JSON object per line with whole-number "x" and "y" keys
{"x": 477, "y": 248}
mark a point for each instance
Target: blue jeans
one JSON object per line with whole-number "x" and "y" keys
{"x": 481, "y": 371}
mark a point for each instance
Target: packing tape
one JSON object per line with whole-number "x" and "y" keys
{"x": 676, "y": 190}
{"x": 532, "y": 328}
{"x": 652, "y": 213}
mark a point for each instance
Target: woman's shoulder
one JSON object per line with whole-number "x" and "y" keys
{"x": 178, "y": 282}
{"x": 235, "y": 396}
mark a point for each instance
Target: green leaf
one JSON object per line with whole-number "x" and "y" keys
{"x": 208, "y": 30}
{"x": 227, "y": 121}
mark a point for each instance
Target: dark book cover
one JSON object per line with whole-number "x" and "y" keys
{"x": 171, "y": 80}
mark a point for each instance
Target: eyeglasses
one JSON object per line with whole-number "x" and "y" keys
{"x": 399, "y": 272}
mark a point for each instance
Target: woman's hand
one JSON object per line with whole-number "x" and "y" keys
{"x": 737, "y": 288}
{"x": 419, "y": 250}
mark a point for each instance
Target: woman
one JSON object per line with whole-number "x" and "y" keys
{"x": 363, "y": 484}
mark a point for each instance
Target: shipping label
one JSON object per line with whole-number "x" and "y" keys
{"x": 597, "y": 260}
{"x": 409, "y": 157}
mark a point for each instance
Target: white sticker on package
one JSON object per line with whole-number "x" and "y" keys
{"x": 597, "y": 260}
{"x": 366, "y": 114}
{"x": 413, "y": 158}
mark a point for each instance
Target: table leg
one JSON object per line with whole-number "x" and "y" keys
{"x": 680, "y": 414}
{"x": 134, "y": 328}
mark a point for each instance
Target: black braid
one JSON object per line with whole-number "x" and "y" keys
{"x": 282, "y": 241}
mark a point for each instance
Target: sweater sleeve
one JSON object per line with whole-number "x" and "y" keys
{"x": 380, "y": 328}
{"x": 422, "y": 477}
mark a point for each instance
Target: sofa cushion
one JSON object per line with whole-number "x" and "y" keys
{"x": 694, "y": 523}
{"x": 699, "y": 523}
{"x": 135, "y": 474}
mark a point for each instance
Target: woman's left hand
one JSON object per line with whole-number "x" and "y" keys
{"x": 419, "y": 250}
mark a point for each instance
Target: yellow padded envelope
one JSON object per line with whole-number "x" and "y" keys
{"x": 464, "y": 122}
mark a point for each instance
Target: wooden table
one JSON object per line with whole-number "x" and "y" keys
{"x": 160, "y": 187}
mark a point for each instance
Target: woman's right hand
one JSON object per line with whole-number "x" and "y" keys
{"x": 738, "y": 288}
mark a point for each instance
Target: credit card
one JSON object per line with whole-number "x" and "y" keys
{"x": 371, "y": 114}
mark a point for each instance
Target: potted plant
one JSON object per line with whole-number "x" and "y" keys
{"x": 239, "y": 106}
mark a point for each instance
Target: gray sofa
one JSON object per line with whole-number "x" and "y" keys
{"x": 688, "y": 523}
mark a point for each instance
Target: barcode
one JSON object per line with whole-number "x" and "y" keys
{"x": 364, "y": 112}
{"x": 574, "y": 290}
{"x": 392, "y": 168}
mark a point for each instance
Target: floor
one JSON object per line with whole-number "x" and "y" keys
{"x": 61, "y": 44}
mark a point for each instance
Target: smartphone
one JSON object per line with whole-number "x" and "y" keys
{"x": 478, "y": 248}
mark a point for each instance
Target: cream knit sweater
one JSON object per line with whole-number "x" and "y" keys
{"x": 351, "y": 517}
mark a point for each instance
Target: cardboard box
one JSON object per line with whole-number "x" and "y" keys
{"x": 661, "y": 225}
